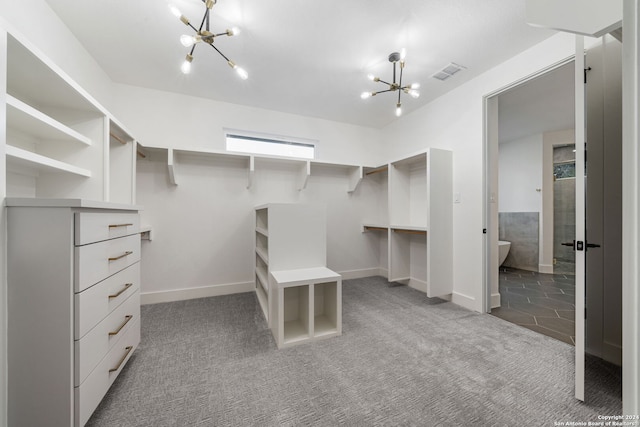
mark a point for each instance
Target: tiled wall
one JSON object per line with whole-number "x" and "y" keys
{"x": 522, "y": 230}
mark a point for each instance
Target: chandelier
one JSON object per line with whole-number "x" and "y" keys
{"x": 204, "y": 35}
{"x": 394, "y": 86}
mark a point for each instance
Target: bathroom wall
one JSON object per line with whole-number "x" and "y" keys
{"x": 522, "y": 229}
{"x": 520, "y": 200}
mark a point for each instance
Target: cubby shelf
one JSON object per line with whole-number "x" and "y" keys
{"x": 308, "y": 305}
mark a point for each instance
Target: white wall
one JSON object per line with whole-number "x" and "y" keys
{"x": 172, "y": 120}
{"x": 203, "y": 232}
{"x": 520, "y": 174}
{"x": 35, "y": 21}
{"x": 455, "y": 121}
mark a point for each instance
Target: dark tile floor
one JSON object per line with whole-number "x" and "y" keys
{"x": 541, "y": 302}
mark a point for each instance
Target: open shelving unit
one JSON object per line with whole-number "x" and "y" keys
{"x": 309, "y": 305}
{"x": 59, "y": 141}
{"x": 419, "y": 230}
{"x": 300, "y": 297}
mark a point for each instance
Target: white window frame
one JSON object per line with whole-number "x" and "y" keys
{"x": 237, "y": 141}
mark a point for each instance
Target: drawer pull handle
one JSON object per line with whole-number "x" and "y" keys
{"x": 117, "y": 294}
{"x": 119, "y": 225}
{"x": 117, "y": 331}
{"x": 128, "y": 350}
{"x": 121, "y": 256}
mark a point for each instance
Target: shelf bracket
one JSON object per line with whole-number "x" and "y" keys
{"x": 252, "y": 169}
{"x": 170, "y": 166}
{"x": 305, "y": 171}
{"x": 355, "y": 176}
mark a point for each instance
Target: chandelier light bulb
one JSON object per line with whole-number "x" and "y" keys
{"x": 415, "y": 86}
{"x": 186, "y": 65}
{"x": 242, "y": 73}
{"x": 414, "y": 93}
{"x": 371, "y": 77}
{"x": 175, "y": 11}
{"x": 233, "y": 31}
{"x": 398, "y": 110}
{"x": 403, "y": 54}
{"x": 187, "y": 41}
{"x": 365, "y": 95}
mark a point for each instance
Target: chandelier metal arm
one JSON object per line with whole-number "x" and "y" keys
{"x": 221, "y": 54}
{"x": 387, "y": 83}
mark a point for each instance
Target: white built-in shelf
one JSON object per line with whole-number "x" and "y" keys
{"x": 32, "y": 122}
{"x": 262, "y": 231}
{"x": 294, "y": 331}
{"x": 34, "y": 163}
{"x": 262, "y": 253}
{"x": 323, "y": 326}
{"x": 304, "y": 275}
{"x": 304, "y": 168}
{"x": 28, "y": 69}
{"x": 145, "y": 232}
{"x": 262, "y": 278}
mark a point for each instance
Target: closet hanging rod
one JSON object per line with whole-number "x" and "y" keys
{"x": 371, "y": 228}
{"x": 400, "y": 230}
{"x": 377, "y": 170}
{"x": 117, "y": 138}
{"x": 141, "y": 154}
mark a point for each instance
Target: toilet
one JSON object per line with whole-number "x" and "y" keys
{"x": 503, "y": 250}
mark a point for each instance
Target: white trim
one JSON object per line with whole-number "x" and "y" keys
{"x": 545, "y": 268}
{"x": 192, "y": 293}
{"x": 495, "y": 300}
{"x": 630, "y": 209}
{"x": 465, "y": 301}
{"x": 359, "y": 274}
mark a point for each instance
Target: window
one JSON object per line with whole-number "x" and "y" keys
{"x": 272, "y": 146}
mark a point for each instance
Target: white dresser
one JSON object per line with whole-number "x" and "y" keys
{"x": 73, "y": 278}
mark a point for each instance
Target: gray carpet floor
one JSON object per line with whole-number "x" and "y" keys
{"x": 403, "y": 359}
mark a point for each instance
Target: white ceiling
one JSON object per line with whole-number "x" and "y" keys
{"x": 544, "y": 104}
{"x": 303, "y": 57}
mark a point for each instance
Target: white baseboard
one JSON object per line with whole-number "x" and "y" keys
{"x": 495, "y": 300}
{"x": 359, "y": 274}
{"x": 417, "y": 284}
{"x": 545, "y": 268}
{"x": 464, "y": 301}
{"x": 192, "y": 293}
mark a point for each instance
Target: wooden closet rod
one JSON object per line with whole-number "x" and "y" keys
{"x": 117, "y": 138}
{"x": 370, "y": 228}
{"x": 141, "y": 154}
{"x": 377, "y": 170}
{"x": 400, "y": 230}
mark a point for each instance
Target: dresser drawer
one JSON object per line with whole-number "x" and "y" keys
{"x": 88, "y": 395}
{"x": 98, "y": 261}
{"x": 91, "y": 348}
{"x": 91, "y": 227}
{"x": 95, "y": 303}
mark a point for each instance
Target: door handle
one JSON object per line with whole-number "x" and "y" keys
{"x": 592, "y": 245}
{"x": 572, "y": 244}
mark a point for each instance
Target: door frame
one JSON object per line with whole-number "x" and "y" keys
{"x": 490, "y": 198}
{"x": 490, "y": 179}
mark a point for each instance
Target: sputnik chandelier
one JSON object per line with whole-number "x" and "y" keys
{"x": 411, "y": 89}
{"x": 204, "y": 35}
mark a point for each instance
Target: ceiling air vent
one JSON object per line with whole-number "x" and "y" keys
{"x": 448, "y": 71}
